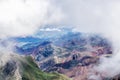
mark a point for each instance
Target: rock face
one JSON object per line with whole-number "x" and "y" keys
{"x": 9, "y": 69}
{"x": 72, "y": 54}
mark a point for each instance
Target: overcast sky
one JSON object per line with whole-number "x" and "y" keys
{"x": 24, "y": 17}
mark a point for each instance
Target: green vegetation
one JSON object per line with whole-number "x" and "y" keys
{"x": 32, "y": 72}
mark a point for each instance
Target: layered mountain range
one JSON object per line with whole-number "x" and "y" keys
{"x": 69, "y": 53}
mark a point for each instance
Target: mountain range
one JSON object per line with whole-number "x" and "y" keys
{"x": 65, "y": 52}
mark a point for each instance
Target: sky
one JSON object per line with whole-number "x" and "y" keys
{"x": 24, "y": 17}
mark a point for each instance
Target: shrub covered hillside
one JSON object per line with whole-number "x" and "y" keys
{"x": 32, "y": 72}
{"x": 24, "y": 68}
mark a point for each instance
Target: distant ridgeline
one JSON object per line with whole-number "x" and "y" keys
{"x": 64, "y": 50}
{"x": 64, "y": 38}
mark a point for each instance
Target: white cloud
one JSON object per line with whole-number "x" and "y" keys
{"x": 91, "y": 15}
{"x": 24, "y": 17}
{"x": 50, "y": 29}
{"x": 97, "y": 16}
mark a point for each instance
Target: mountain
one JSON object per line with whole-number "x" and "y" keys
{"x": 69, "y": 53}
{"x": 24, "y": 68}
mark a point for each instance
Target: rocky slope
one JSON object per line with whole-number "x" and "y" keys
{"x": 24, "y": 68}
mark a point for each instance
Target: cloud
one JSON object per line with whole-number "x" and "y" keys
{"x": 51, "y": 29}
{"x": 97, "y": 16}
{"x": 24, "y": 17}
{"x": 91, "y": 15}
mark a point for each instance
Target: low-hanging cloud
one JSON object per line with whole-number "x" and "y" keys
{"x": 97, "y": 16}
{"x": 24, "y": 17}
{"x": 91, "y": 15}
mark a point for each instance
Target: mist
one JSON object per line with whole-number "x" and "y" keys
{"x": 20, "y": 18}
{"x": 97, "y": 16}
{"x": 25, "y": 17}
